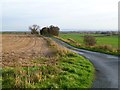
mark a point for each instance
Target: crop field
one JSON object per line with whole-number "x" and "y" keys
{"x": 21, "y": 48}
{"x": 30, "y": 61}
{"x": 101, "y": 39}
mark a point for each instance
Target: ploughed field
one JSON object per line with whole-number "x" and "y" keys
{"x": 30, "y": 61}
{"x": 20, "y": 49}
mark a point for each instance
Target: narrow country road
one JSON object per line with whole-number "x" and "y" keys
{"x": 106, "y": 66}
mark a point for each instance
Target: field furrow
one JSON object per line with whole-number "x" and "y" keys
{"x": 11, "y": 45}
{"x": 21, "y": 49}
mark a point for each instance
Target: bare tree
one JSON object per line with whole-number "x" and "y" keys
{"x": 34, "y": 29}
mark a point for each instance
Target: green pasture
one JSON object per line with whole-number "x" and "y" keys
{"x": 101, "y": 39}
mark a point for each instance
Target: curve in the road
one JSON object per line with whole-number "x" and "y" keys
{"x": 106, "y": 66}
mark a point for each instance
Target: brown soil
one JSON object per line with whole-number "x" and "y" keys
{"x": 22, "y": 49}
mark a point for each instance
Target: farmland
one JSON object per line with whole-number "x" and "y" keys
{"x": 101, "y": 39}
{"x": 104, "y": 43}
{"x": 22, "y": 48}
{"x": 30, "y": 61}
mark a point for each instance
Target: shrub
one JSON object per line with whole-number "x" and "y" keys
{"x": 89, "y": 40}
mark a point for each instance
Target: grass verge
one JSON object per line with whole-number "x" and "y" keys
{"x": 99, "y": 48}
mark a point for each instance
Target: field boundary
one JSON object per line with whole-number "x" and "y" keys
{"x": 88, "y": 48}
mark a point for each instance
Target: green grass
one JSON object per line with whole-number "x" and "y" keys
{"x": 70, "y": 71}
{"x": 108, "y": 40}
{"x": 105, "y": 44}
{"x": 101, "y": 39}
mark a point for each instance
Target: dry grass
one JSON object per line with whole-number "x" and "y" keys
{"x": 60, "y": 50}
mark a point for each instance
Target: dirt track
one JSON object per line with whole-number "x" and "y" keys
{"x": 21, "y": 49}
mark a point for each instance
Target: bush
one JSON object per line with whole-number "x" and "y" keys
{"x": 89, "y": 40}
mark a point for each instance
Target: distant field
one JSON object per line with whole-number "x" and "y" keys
{"x": 101, "y": 39}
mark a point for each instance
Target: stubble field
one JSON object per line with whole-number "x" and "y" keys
{"x": 22, "y": 49}
{"x": 30, "y": 61}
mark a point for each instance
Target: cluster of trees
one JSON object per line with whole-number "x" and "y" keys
{"x": 51, "y": 30}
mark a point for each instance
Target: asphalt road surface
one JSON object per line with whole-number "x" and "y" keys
{"x": 106, "y": 66}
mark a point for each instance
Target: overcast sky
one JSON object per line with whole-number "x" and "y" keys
{"x": 67, "y": 14}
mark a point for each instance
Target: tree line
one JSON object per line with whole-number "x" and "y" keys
{"x": 54, "y": 30}
{"x": 46, "y": 31}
